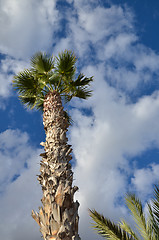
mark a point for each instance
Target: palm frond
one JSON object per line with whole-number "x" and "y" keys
{"x": 39, "y": 104}
{"x": 135, "y": 206}
{"x": 29, "y": 102}
{"x": 79, "y": 87}
{"x": 25, "y": 83}
{"x": 82, "y": 93}
{"x": 29, "y": 88}
{"x": 126, "y": 227}
{"x": 66, "y": 64}
{"x": 82, "y": 81}
{"x": 107, "y": 228}
{"x": 153, "y": 210}
{"x": 156, "y": 204}
{"x": 42, "y": 63}
{"x": 150, "y": 225}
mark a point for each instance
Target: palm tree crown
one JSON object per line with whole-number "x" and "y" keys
{"x": 148, "y": 227}
{"x": 48, "y": 74}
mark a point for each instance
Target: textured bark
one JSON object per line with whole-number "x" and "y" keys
{"x": 58, "y": 218}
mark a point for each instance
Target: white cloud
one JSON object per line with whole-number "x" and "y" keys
{"x": 105, "y": 24}
{"x": 117, "y": 46}
{"x": 27, "y": 26}
{"x": 108, "y": 35}
{"x": 19, "y": 197}
{"x": 104, "y": 142}
{"x": 144, "y": 179}
{"x": 5, "y": 80}
{"x": 13, "y": 154}
{"x": 9, "y": 67}
{"x": 85, "y": 29}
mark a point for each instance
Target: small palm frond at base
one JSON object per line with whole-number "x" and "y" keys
{"x": 153, "y": 211}
{"x": 135, "y": 206}
{"x": 107, "y": 228}
{"x": 148, "y": 227}
{"x": 126, "y": 227}
{"x": 156, "y": 204}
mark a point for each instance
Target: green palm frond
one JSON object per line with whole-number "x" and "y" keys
{"x": 107, "y": 228}
{"x": 82, "y": 81}
{"x": 29, "y": 88}
{"x": 79, "y": 87}
{"x": 42, "y": 63}
{"x": 66, "y": 64}
{"x": 28, "y": 102}
{"x": 135, "y": 206}
{"x": 32, "y": 101}
{"x": 25, "y": 83}
{"x": 82, "y": 93}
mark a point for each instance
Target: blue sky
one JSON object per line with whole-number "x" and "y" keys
{"x": 115, "y": 136}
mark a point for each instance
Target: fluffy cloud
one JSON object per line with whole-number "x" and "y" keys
{"x": 9, "y": 67}
{"x": 104, "y": 143}
{"x": 110, "y": 39}
{"x": 27, "y": 26}
{"x": 144, "y": 179}
{"x": 12, "y": 154}
{"x": 18, "y": 196}
{"x": 86, "y": 30}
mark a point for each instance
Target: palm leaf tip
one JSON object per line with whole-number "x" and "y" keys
{"x": 82, "y": 93}
{"x": 80, "y": 87}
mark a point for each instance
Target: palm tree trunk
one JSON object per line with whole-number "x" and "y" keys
{"x": 58, "y": 218}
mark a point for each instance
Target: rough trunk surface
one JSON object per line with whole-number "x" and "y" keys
{"x": 58, "y": 218}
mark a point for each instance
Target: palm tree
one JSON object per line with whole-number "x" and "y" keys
{"x": 45, "y": 86}
{"x": 148, "y": 227}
